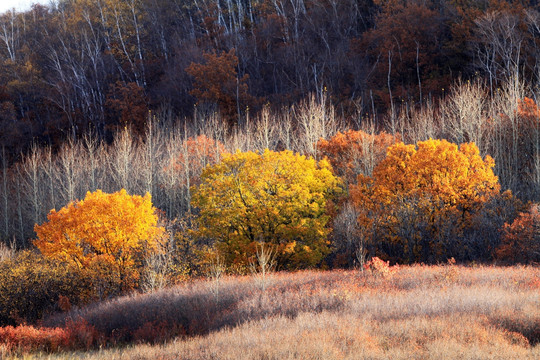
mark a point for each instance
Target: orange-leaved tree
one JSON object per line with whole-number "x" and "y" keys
{"x": 115, "y": 230}
{"x": 352, "y": 153}
{"x": 421, "y": 196}
{"x": 277, "y": 198}
{"x": 521, "y": 239}
{"x": 355, "y": 152}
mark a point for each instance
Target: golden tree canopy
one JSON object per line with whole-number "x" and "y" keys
{"x": 279, "y": 198}
{"x": 434, "y": 169}
{"x": 114, "y": 227}
{"x": 419, "y": 192}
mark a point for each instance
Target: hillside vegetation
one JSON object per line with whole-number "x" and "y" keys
{"x": 155, "y": 154}
{"x": 68, "y": 67}
{"x": 428, "y": 312}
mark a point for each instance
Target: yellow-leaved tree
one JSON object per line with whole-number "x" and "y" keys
{"x": 278, "y": 198}
{"x": 421, "y": 196}
{"x": 113, "y": 231}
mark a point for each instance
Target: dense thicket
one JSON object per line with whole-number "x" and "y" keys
{"x": 77, "y": 65}
{"x": 269, "y": 134}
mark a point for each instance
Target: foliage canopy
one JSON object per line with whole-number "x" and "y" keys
{"x": 102, "y": 229}
{"x": 279, "y": 198}
{"x": 419, "y": 190}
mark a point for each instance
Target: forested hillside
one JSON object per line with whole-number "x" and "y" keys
{"x": 141, "y": 95}
{"x": 146, "y": 144}
{"x": 78, "y": 66}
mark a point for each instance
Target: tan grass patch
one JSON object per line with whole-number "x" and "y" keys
{"x": 480, "y": 313}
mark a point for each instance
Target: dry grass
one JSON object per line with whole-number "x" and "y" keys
{"x": 420, "y": 312}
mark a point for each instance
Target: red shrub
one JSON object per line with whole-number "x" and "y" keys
{"x": 75, "y": 335}
{"x": 521, "y": 240}
{"x": 82, "y": 335}
{"x": 380, "y": 267}
{"x": 28, "y": 338}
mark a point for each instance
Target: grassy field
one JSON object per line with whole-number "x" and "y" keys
{"x": 416, "y": 312}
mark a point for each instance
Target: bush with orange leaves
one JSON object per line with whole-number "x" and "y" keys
{"x": 528, "y": 108}
{"x": 521, "y": 239}
{"x": 27, "y": 338}
{"x": 110, "y": 234}
{"x": 380, "y": 267}
{"x": 421, "y": 198}
{"x": 355, "y": 152}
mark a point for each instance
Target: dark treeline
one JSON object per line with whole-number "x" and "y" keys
{"x": 79, "y": 65}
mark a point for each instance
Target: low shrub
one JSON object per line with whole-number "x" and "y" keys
{"x": 521, "y": 240}
{"x": 24, "y": 338}
{"x": 380, "y": 267}
{"x": 75, "y": 335}
{"x": 32, "y": 286}
{"x": 81, "y": 335}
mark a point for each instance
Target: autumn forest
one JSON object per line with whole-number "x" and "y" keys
{"x": 265, "y": 167}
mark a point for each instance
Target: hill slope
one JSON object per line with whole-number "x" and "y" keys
{"x": 422, "y": 312}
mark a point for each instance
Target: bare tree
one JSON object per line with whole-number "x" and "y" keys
{"x": 499, "y": 45}
{"x": 414, "y": 125}
{"x": 464, "y": 111}
{"x": 215, "y": 272}
{"x": 171, "y": 176}
{"x": 264, "y": 131}
{"x": 265, "y": 263}
{"x": 150, "y": 149}
{"x": 71, "y": 171}
{"x": 94, "y": 153}
{"x": 347, "y": 240}
{"x": 316, "y": 120}
{"x": 121, "y": 159}
{"x": 506, "y": 134}
{"x": 532, "y": 19}
{"x": 156, "y": 268}
{"x": 5, "y": 197}
{"x": 32, "y": 167}
{"x": 20, "y": 229}
{"x": 50, "y": 170}
{"x": 7, "y": 251}
{"x": 9, "y": 33}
